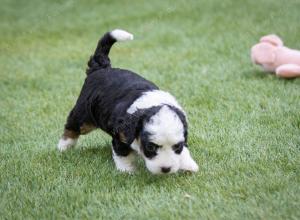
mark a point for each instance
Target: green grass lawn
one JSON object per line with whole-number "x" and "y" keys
{"x": 244, "y": 124}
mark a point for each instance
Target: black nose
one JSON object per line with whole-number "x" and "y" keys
{"x": 165, "y": 169}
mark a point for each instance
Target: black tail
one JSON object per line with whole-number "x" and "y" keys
{"x": 100, "y": 58}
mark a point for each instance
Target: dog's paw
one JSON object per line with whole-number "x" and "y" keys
{"x": 126, "y": 169}
{"x": 191, "y": 166}
{"x": 65, "y": 144}
{"x": 186, "y": 161}
{"x": 124, "y": 164}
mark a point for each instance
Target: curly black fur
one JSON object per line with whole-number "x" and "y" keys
{"x": 105, "y": 97}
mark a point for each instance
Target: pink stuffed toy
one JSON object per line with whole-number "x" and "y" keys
{"x": 274, "y": 57}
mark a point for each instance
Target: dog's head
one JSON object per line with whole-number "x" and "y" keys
{"x": 162, "y": 139}
{"x": 159, "y": 135}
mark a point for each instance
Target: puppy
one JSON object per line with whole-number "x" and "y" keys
{"x": 138, "y": 116}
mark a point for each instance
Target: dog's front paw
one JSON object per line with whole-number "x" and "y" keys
{"x": 126, "y": 169}
{"x": 191, "y": 166}
{"x": 125, "y": 164}
{"x": 66, "y": 143}
{"x": 186, "y": 161}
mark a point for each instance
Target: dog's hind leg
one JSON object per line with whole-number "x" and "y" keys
{"x": 70, "y": 137}
{"x": 68, "y": 140}
{"x": 71, "y": 132}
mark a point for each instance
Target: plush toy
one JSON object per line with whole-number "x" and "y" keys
{"x": 273, "y": 56}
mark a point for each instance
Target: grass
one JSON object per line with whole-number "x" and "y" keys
{"x": 244, "y": 124}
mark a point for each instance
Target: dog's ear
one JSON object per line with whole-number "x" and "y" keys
{"x": 183, "y": 119}
{"x": 126, "y": 127}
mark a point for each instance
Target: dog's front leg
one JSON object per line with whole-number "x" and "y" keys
{"x": 123, "y": 156}
{"x": 186, "y": 161}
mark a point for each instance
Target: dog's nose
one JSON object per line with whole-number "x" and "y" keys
{"x": 165, "y": 169}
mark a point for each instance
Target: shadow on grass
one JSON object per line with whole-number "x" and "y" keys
{"x": 259, "y": 74}
{"x": 89, "y": 167}
{"x": 87, "y": 155}
{"x": 94, "y": 165}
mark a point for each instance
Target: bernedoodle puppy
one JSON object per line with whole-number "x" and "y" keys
{"x": 140, "y": 118}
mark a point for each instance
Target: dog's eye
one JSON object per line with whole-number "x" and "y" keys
{"x": 152, "y": 147}
{"x": 178, "y": 147}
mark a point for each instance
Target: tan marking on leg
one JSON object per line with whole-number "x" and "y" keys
{"x": 70, "y": 134}
{"x": 86, "y": 128}
{"x": 68, "y": 140}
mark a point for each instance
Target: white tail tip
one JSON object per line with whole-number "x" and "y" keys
{"x": 121, "y": 35}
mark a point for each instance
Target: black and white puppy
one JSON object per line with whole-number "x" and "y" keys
{"x": 139, "y": 117}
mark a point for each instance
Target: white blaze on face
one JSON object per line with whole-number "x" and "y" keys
{"x": 165, "y": 129}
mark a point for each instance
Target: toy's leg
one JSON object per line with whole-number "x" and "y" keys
{"x": 186, "y": 161}
{"x": 272, "y": 39}
{"x": 123, "y": 156}
{"x": 288, "y": 71}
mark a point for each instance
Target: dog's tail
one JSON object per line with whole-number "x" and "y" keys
{"x": 100, "y": 58}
